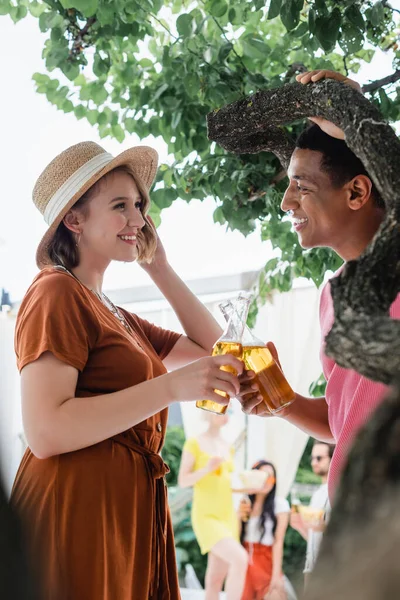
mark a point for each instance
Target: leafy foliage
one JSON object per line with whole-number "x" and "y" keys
{"x": 172, "y": 452}
{"x": 157, "y": 68}
{"x": 294, "y": 554}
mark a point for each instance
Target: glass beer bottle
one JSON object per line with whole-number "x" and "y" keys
{"x": 274, "y": 388}
{"x": 228, "y": 343}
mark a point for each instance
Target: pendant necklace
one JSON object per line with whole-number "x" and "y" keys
{"x": 103, "y": 299}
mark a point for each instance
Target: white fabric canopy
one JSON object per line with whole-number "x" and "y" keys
{"x": 291, "y": 322}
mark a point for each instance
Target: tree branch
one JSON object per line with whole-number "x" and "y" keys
{"x": 363, "y": 336}
{"x": 375, "y": 85}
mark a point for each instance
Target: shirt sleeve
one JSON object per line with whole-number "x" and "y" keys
{"x": 55, "y": 317}
{"x": 162, "y": 340}
{"x": 281, "y": 505}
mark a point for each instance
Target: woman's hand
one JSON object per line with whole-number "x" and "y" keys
{"x": 160, "y": 256}
{"x": 276, "y": 589}
{"x": 214, "y": 463}
{"x": 314, "y": 76}
{"x": 244, "y": 509}
{"x": 247, "y": 384}
{"x": 200, "y": 379}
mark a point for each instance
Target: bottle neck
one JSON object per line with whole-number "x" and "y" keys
{"x": 248, "y": 338}
{"x": 236, "y": 320}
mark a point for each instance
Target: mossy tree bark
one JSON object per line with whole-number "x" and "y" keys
{"x": 363, "y": 336}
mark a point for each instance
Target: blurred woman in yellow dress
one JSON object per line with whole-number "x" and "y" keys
{"x": 207, "y": 465}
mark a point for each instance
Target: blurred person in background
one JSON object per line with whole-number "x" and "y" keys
{"x": 264, "y": 519}
{"x": 312, "y": 532}
{"x": 207, "y": 466}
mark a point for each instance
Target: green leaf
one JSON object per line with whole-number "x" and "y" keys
{"x": 224, "y": 51}
{"x": 5, "y": 7}
{"x": 70, "y": 70}
{"x": 255, "y": 48}
{"x": 102, "y": 119}
{"x": 274, "y": 9}
{"x": 39, "y": 78}
{"x": 217, "y": 8}
{"x": 385, "y": 101}
{"x": 99, "y": 93}
{"x": 18, "y": 12}
{"x": 155, "y": 214}
{"x": 164, "y": 197}
{"x": 100, "y": 66}
{"x": 160, "y": 91}
{"x": 311, "y": 20}
{"x": 80, "y": 80}
{"x": 146, "y": 63}
{"x": 36, "y": 8}
{"x": 92, "y": 116}
{"x": 50, "y": 20}
{"x": 80, "y": 111}
{"x": 86, "y": 7}
{"x": 118, "y": 132}
{"x": 377, "y": 14}
{"x": 327, "y": 29}
{"x": 106, "y": 13}
{"x": 176, "y": 119}
{"x": 67, "y": 106}
{"x": 200, "y": 143}
{"x": 301, "y": 30}
{"x": 184, "y": 25}
{"x": 290, "y": 14}
{"x": 219, "y": 216}
{"x": 351, "y": 39}
{"x": 353, "y": 14}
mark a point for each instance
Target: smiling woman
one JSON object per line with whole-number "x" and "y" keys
{"x": 64, "y": 246}
{"x": 95, "y": 388}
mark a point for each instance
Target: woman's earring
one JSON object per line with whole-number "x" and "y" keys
{"x": 77, "y": 239}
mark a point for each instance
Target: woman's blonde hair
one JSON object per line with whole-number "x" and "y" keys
{"x": 63, "y": 248}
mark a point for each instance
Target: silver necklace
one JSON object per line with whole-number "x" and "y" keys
{"x": 113, "y": 309}
{"x": 103, "y": 299}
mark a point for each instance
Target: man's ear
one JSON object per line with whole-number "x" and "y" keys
{"x": 360, "y": 191}
{"x": 73, "y": 221}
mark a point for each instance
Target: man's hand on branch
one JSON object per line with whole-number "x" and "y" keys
{"x": 313, "y": 77}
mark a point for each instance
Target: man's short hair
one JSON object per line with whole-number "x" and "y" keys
{"x": 331, "y": 447}
{"x": 338, "y": 160}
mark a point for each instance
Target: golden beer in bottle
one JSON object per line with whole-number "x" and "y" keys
{"x": 228, "y": 343}
{"x": 234, "y": 348}
{"x": 273, "y": 386}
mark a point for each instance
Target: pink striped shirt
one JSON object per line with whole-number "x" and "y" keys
{"x": 351, "y": 398}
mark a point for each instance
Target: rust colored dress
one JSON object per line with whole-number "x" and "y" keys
{"x": 96, "y": 520}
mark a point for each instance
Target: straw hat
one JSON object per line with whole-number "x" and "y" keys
{"x": 73, "y": 172}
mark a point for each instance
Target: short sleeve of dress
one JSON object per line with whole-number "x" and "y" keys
{"x": 191, "y": 445}
{"x": 54, "y": 316}
{"x": 281, "y": 505}
{"x": 162, "y": 340}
